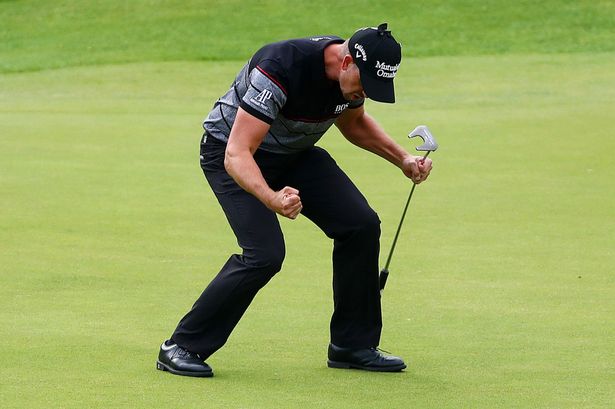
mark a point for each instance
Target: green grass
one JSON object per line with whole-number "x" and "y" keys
{"x": 38, "y": 34}
{"x": 501, "y": 292}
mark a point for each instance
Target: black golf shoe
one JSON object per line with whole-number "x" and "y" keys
{"x": 369, "y": 359}
{"x": 180, "y": 361}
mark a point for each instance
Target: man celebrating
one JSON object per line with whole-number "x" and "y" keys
{"x": 259, "y": 158}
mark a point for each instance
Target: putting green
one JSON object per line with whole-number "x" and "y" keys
{"x": 501, "y": 288}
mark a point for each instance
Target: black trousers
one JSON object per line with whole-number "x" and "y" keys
{"x": 333, "y": 203}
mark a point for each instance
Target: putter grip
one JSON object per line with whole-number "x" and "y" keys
{"x": 384, "y": 274}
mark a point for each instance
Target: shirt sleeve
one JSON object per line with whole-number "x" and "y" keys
{"x": 356, "y": 103}
{"x": 265, "y": 95}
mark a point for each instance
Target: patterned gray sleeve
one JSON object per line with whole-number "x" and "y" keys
{"x": 263, "y": 98}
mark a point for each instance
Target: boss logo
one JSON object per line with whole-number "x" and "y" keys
{"x": 340, "y": 108}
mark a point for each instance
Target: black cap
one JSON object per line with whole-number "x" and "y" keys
{"x": 378, "y": 56}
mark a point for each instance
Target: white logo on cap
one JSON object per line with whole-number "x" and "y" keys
{"x": 386, "y": 70}
{"x": 360, "y": 50}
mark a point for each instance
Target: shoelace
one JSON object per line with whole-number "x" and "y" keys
{"x": 184, "y": 353}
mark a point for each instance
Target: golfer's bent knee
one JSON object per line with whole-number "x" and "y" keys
{"x": 368, "y": 224}
{"x": 267, "y": 259}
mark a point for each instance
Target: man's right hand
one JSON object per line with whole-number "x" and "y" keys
{"x": 286, "y": 202}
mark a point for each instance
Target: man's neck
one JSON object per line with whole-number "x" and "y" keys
{"x": 333, "y": 59}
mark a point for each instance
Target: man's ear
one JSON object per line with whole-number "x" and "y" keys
{"x": 347, "y": 61}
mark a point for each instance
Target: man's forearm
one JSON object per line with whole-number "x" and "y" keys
{"x": 367, "y": 134}
{"x": 244, "y": 170}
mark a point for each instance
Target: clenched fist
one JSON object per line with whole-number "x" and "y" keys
{"x": 417, "y": 168}
{"x": 286, "y": 202}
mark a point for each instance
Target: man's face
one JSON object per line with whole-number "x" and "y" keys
{"x": 350, "y": 81}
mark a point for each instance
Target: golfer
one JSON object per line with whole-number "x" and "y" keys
{"x": 259, "y": 156}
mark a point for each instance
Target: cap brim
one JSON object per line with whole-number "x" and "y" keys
{"x": 378, "y": 90}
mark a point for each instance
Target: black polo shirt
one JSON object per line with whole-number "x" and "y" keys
{"x": 284, "y": 84}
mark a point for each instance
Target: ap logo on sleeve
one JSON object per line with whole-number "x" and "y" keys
{"x": 261, "y": 99}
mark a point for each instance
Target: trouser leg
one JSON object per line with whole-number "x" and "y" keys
{"x": 334, "y": 203}
{"x": 217, "y": 311}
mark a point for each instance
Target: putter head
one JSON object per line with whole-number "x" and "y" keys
{"x": 429, "y": 142}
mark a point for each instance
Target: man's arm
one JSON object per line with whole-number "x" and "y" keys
{"x": 362, "y": 130}
{"x": 246, "y": 135}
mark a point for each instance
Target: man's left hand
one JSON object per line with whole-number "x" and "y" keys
{"x": 417, "y": 168}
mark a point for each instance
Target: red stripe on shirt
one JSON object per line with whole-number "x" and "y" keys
{"x": 272, "y": 79}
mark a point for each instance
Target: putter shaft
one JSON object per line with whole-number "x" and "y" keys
{"x": 384, "y": 273}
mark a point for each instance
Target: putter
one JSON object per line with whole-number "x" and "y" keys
{"x": 429, "y": 145}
